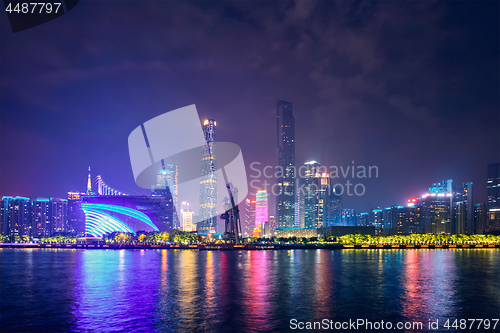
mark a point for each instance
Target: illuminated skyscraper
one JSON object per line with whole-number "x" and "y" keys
{"x": 58, "y": 211}
{"x": 437, "y": 208}
{"x": 493, "y": 186}
{"x": 363, "y": 220}
{"x": 285, "y": 200}
{"x": 167, "y": 182}
{"x": 463, "y": 210}
{"x": 40, "y": 218}
{"x": 249, "y": 221}
{"x": 261, "y": 208}
{"x": 480, "y": 218}
{"x": 76, "y": 216}
{"x": 20, "y": 217}
{"x": 187, "y": 217}
{"x": 5, "y": 208}
{"x": 315, "y": 191}
{"x": 309, "y": 192}
{"x": 334, "y": 208}
{"x": 272, "y": 225}
{"x": 376, "y": 220}
{"x": 208, "y": 182}
{"x": 348, "y": 217}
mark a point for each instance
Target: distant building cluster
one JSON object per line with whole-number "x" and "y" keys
{"x": 307, "y": 205}
{"x": 312, "y": 204}
{"x": 39, "y": 217}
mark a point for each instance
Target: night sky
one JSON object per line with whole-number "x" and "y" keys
{"x": 411, "y": 87}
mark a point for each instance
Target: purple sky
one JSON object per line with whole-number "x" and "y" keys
{"x": 411, "y": 87}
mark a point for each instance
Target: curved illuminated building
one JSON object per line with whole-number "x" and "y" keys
{"x": 104, "y": 218}
{"x": 106, "y": 214}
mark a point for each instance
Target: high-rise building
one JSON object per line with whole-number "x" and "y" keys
{"x": 466, "y": 197}
{"x": 376, "y": 220}
{"x": 249, "y": 220}
{"x": 493, "y": 186}
{"x": 412, "y": 219}
{"x": 316, "y": 192}
{"x": 272, "y": 225}
{"x": 76, "y": 216}
{"x": 437, "y": 208}
{"x": 58, "y": 210}
{"x": 208, "y": 182}
{"x": 167, "y": 186}
{"x": 349, "y": 217}
{"x": 187, "y": 217}
{"x": 20, "y": 216}
{"x": 395, "y": 221}
{"x": 261, "y": 207}
{"x": 493, "y": 220}
{"x": 5, "y": 208}
{"x": 363, "y": 220}
{"x": 480, "y": 218}
{"x": 309, "y": 193}
{"x": 296, "y": 220}
{"x": 40, "y": 218}
{"x": 334, "y": 215}
{"x": 388, "y": 221}
{"x": 285, "y": 200}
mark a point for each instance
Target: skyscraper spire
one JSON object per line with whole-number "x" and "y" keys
{"x": 89, "y": 184}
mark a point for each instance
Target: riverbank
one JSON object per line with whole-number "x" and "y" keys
{"x": 204, "y": 247}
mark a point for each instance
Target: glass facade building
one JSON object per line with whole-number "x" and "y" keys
{"x": 208, "y": 182}
{"x": 285, "y": 146}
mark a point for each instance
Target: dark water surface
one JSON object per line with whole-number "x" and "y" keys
{"x": 51, "y": 290}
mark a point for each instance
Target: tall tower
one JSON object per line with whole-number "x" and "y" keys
{"x": 285, "y": 200}
{"x": 89, "y": 184}
{"x": 208, "y": 182}
{"x": 309, "y": 194}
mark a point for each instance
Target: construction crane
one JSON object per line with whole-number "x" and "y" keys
{"x": 232, "y": 218}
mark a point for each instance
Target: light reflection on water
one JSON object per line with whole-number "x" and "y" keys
{"x": 247, "y": 291}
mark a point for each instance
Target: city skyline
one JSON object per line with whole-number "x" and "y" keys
{"x": 247, "y": 166}
{"x": 420, "y": 106}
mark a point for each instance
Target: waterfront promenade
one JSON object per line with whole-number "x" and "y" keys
{"x": 214, "y": 246}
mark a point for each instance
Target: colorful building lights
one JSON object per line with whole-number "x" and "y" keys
{"x": 99, "y": 220}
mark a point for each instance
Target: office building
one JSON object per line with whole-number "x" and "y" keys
{"x": 187, "y": 217}
{"x": 208, "y": 182}
{"x": 363, "y": 220}
{"x": 480, "y": 218}
{"x": 58, "y": 211}
{"x": 285, "y": 200}
{"x": 493, "y": 186}
{"x": 437, "y": 208}
{"x": 249, "y": 218}
{"x": 272, "y": 225}
{"x": 19, "y": 222}
{"x": 40, "y": 218}
{"x": 261, "y": 208}
{"x": 349, "y": 217}
{"x": 334, "y": 208}
{"x": 316, "y": 191}
{"x": 5, "y": 208}
{"x": 167, "y": 186}
{"x": 76, "y": 216}
{"x": 376, "y": 220}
